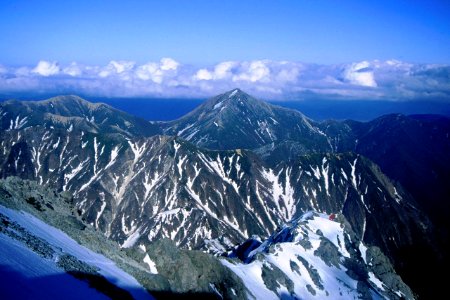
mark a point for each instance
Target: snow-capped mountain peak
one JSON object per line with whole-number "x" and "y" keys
{"x": 237, "y": 120}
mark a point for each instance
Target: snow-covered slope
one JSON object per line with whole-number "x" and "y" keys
{"x": 315, "y": 257}
{"x": 26, "y": 275}
{"x": 37, "y": 255}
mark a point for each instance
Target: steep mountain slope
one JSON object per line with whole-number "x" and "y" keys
{"x": 413, "y": 150}
{"x": 161, "y": 187}
{"x": 34, "y": 255}
{"x": 74, "y": 112}
{"x": 25, "y": 275}
{"x": 236, "y": 120}
{"x": 315, "y": 257}
{"x": 45, "y": 245}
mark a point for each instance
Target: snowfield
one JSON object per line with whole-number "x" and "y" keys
{"x": 289, "y": 264}
{"x": 25, "y": 273}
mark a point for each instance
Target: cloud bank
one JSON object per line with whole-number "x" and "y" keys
{"x": 282, "y": 80}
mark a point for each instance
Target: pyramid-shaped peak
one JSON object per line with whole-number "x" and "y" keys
{"x": 235, "y": 100}
{"x": 235, "y": 119}
{"x": 235, "y": 97}
{"x": 236, "y": 93}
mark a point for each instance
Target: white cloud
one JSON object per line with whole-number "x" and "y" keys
{"x": 288, "y": 74}
{"x": 168, "y": 64}
{"x": 203, "y": 74}
{"x": 254, "y": 71}
{"x": 122, "y": 66}
{"x": 73, "y": 70}
{"x": 223, "y": 70}
{"x": 157, "y": 72}
{"x": 360, "y": 74}
{"x": 116, "y": 67}
{"x": 220, "y": 71}
{"x": 263, "y": 78}
{"x": 46, "y": 68}
{"x": 149, "y": 71}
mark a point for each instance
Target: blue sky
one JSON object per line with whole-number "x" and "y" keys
{"x": 253, "y": 42}
{"x": 204, "y": 32}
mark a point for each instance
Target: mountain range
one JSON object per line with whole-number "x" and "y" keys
{"x": 238, "y": 168}
{"x": 44, "y": 255}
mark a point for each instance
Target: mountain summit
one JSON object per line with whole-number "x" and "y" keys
{"x": 237, "y": 120}
{"x": 72, "y": 111}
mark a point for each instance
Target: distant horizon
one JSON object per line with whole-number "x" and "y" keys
{"x": 277, "y": 80}
{"x": 94, "y": 98}
{"x": 167, "y": 109}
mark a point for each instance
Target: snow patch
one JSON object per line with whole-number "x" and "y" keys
{"x": 233, "y": 93}
{"x": 132, "y": 239}
{"x": 151, "y": 264}
{"x": 376, "y": 281}
{"x": 17, "y": 123}
{"x": 184, "y": 129}
{"x": 218, "y": 105}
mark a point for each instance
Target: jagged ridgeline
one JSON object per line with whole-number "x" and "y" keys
{"x": 232, "y": 168}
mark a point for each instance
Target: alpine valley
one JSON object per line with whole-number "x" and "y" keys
{"x": 238, "y": 199}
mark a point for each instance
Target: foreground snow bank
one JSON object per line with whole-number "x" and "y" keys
{"x": 34, "y": 270}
